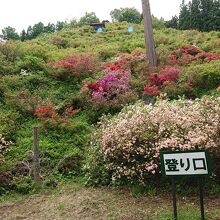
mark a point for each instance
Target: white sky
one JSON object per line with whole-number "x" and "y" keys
{"x": 22, "y": 13}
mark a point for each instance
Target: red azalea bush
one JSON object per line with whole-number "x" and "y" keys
{"x": 45, "y": 112}
{"x": 48, "y": 116}
{"x": 74, "y": 66}
{"x": 151, "y": 90}
{"x": 157, "y": 80}
{"x": 188, "y": 54}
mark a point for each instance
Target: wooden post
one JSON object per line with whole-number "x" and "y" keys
{"x": 36, "y": 156}
{"x": 148, "y": 30}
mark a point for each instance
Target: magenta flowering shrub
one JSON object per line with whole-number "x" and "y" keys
{"x": 131, "y": 141}
{"x": 111, "y": 90}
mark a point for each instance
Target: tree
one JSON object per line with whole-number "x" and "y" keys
{"x": 131, "y": 15}
{"x": 158, "y": 23}
{"x": 23, "y": 35}
{"x": 202, "y": 15}
{"x": 210, "y": 15}
{"x": 195, "y": 14}
{"x": 115, "y": 15}
{"x": 88, "y": 18}
{"x": 50, "y": 28}
{"x": 74, "y": 23}
{"x": 60, "y": 25}
{"x": 29, "y": 33}
{"x": 173, "y": 23}
{"x": 10, "y": 33}
{"x": 184, "y": 17}
{"x": 37, "y": 29}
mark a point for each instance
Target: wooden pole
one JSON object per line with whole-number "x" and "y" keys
{"x": 36, "y": 156}
{"x": 148, "y": 30}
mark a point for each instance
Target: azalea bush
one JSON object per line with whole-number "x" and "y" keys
{"x": 111, "y": 90}
{"x": 130, "y": 142}
{"x": 188, "y": 54}
{"x": 158, "y": 81}
{"x": 74, "y": 66}
{"x": 49, "y": 117}
{"x": 4, "y": 146}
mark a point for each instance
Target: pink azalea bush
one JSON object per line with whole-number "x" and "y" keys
{"x": 112, "y": 89}
{"x": 131, "y": 141}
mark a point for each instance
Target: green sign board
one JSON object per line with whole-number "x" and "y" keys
{"x": 185, "y": 163}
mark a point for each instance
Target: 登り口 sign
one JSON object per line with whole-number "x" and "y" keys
{"x": 185, "y": 163}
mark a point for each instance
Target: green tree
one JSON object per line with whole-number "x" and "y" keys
{"x": 131, "y": 15}
{"x": 195, "y": 14}
{"x": 88, "y": 18}
{"x": 29, "y": 33}
{"x": 37, "y": 29}
{"x": 210, "y": 15}
{"x": 60, "y": 25}
{"x": 23, "y": 35}
{"x": 158, "y": 23}
{"x": 74, "y": 23}
{"x": 10, "y": 33}
{"x": 173, "y": 22}
{"x": 184, "y": 17}
{"x": 50, "y": 28}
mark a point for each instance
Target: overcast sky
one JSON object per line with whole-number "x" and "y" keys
{"x": 22, "y": 13}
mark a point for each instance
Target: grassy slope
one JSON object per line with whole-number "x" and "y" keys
{"x": 58, "y": 144}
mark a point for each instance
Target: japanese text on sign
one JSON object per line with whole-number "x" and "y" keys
{"x": 185, "y": 163}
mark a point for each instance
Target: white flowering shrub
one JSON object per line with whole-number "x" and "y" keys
{"x": 131, "y": 141}
{"x": 4, "y": 145}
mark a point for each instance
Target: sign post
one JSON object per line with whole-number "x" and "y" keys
{"x": 186, "y": 163}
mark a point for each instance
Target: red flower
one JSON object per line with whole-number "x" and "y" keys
{"x": 151, "y": 90}
{"x": 45, "y": 111}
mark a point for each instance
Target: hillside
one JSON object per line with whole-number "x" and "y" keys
{"x": 64, "y": 82}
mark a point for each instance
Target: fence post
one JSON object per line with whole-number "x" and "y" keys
{"x": 36, "y": 156}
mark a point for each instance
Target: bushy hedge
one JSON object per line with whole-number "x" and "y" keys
{"x": 129, "y": 143}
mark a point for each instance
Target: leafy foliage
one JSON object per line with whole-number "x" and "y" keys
{"x": 130, "y": 15}
{"x": 130, "y": 142}
{"x": 201, "y": 15}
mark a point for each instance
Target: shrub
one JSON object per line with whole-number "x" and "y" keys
{"x": 130, "y": 142}
{"x": 49, "y": 117}
{"x": 9, "y": 50}
{"x": 74, "y": 66}
{"x": 9, "y": 121}
{"x": 6, "y": 67}
{"x": 60, "y": 42}
{"x": 113, "y": 89}
{"x": 30, "y": 63}
{"x": 23, "y": 101}
{"x": 164, "y": 80}
{"x": 4, "y": 146}
{"x": 190, "y": 53}
{"x": 205, "y": 76}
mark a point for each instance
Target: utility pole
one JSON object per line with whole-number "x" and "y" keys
{"x": 148, "y": 30}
